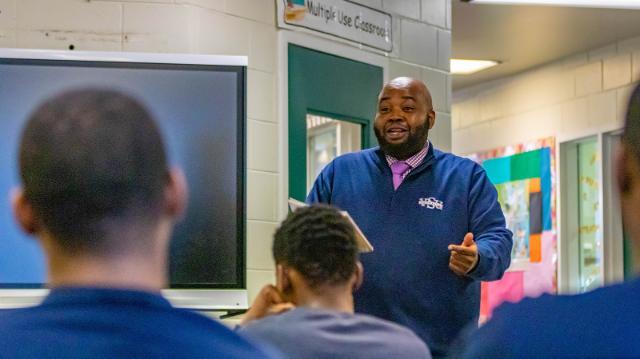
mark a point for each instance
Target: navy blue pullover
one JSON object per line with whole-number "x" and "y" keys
{"x": 599, "y": 324}
{"x": 407, "y": 278}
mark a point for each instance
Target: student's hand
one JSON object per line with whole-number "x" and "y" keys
{"x": 268, "y": 302}
{"x": 463, "y": 257}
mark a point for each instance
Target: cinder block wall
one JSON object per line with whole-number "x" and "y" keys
{"x": 422, "y": 47}
{"x": 573, "y": 97}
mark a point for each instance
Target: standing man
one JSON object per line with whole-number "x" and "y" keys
{"x": 98, "y": 195}
{"x": 599, "y": 324}
{"x": 433, "y": 219}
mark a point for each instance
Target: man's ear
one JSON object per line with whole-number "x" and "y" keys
{"x": 359, "y": 276}
{"x": 176, "y": 194}
{"x": 431, "y": 118}
{"x": 283, "y": 282}
{"x": 23, "y": 211}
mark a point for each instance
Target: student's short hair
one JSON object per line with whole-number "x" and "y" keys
{"x": 318, "y": 242}
{"x": 632, "y": 126}
{"x": 90, "y": 160}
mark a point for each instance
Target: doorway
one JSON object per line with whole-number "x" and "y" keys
{"x": 331, "y": 105}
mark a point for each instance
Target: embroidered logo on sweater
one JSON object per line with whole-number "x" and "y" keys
{"x": 431, "y": 203}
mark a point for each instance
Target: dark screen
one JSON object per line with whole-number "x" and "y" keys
{"x": 200, "y": 110}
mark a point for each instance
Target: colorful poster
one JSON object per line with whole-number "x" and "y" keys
{"x": 524, "y": 176}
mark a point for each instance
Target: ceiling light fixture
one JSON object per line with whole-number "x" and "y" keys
{"x": 613, "y": 4}
{"x": 467, "y": 67}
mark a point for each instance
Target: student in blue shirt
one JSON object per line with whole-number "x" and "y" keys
{"x": 599, "y": 324}
{"x": 317, "y": 270}
{"x": 98, "y": 195}
{"x": 433, "y": 218}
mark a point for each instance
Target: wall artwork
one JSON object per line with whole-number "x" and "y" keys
{"x": 525, "y": 178}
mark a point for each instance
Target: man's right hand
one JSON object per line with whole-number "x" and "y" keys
{"x": 268, "y": 302}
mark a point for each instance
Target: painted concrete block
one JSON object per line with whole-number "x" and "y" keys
{"x": 217, "y": 5}
{"x": 589, "y": 78}
{"x": 437, "y": 83}
{"x": 263, "y": 49}
{"x": 490, "y": 105}
{"x": 376, "y": 4}
{"x": 458, "y": 139}
{"x": 218, "y": 33}
{"x": 160, "y": 27}
{"x": 575, "y": 115}
{"x": 135, "y": 1}
{"x": 635, "y": 66}
{"x": 469, "y": 112}
{"x": 440, "y": 134}
{"x": 444, "y": 49}
{"x": 67, "y": 41}
{"x": 262, "y": 146}
{"x": 449, "y": 93}
{"x": 69, "y": 24}
{"x": 603, "y": 52}
{"x": 455, "y": 117}
{"x": 623, "y": 95}
{"x": 258, "y": 10}
{"x": 504, "y": 132}
{"x": 8, "y": 38}
{"x": 259, "y": 242}
{"x": 448, "y": 14}
{"x": 401, "y": 69}
{"x": 475, "y": 139}
{"x": 537, "y": 88}
{"x": 539, "y": 123}
{"x": 629, "y": 45}
{"x": 396, "y": 38}
{"x": 602, "y": 108}
{"x": 262, "y": 196}
{"x": 574, "y": 61}
{"x": 8, "y": 23}
{"x": 8, "y": 14}
{"x": 406, "y": 8}
{"x": 616, "y": 71}
{"x": 434, "y": 12}
{"x": 261, "y": 98}
{"x": 419, "y": 43}
{"x": 256, "y": 279}
{"x": 69, "y": 15}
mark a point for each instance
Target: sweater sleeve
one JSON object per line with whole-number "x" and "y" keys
{"x": 487, "y": 223}
{"x": 321, "y": 190}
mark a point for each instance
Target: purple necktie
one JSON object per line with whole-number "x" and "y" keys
{"x": 398, "y": 168}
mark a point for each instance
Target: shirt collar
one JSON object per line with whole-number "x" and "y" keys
{"x": 96, "y": 295}
{"x": 414, "y": 160}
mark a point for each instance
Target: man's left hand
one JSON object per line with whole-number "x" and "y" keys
{"x": 463, "y": 257}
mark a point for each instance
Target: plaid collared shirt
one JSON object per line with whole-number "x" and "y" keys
{"x": 412, "y": 161}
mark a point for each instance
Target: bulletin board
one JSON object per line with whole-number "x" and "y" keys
{"x": 525, "y": 177}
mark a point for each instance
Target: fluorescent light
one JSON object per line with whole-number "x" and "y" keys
{"x": 614, "y": 4}
{"x": 467, "y": 67}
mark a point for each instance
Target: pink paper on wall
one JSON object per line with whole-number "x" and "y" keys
{"x": 540, "y": 277}
{"x": 510, "y": 288}
{"x": 533, "y": 264}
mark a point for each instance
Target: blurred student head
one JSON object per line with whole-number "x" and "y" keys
{"x": 315, "y": 250}
{"x": 628, "y": 170}
{"x": 95, "y": 179}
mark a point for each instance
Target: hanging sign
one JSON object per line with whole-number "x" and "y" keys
{"x": 340, "y": 18}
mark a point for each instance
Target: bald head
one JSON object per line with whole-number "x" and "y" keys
{"x": 404, "y": 117}
{"x": 415, "y": 86}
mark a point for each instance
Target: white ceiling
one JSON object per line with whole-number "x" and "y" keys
{"x": 523, "y": 37}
